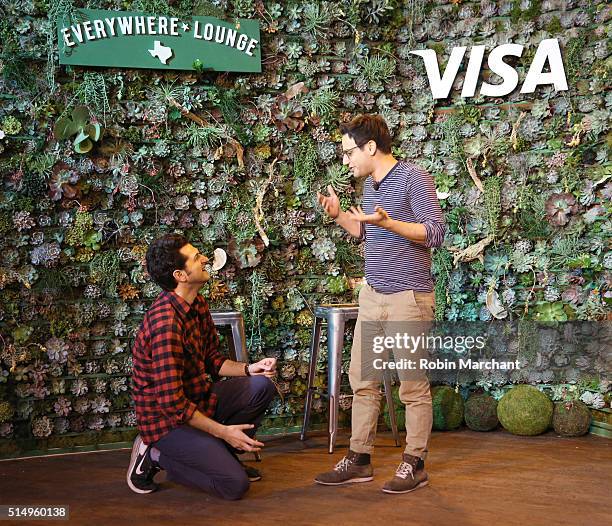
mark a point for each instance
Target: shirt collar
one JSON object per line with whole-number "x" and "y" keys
{"x": 179, "y": 304}
{"x": 387, "y": 176}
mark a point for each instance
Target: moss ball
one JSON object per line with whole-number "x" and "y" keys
{"x": 524, "y": 410}
{"x": 571, "y": 419}
{"x": 447, "y": 408}
{"x": 481, "y": 412}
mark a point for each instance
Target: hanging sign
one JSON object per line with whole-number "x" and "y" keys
{"x": 124, "y": 39}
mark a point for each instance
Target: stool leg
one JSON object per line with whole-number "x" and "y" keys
{"x": 239, "y": 338}
{"x": 312, "y": 371}
{"x": 391, "y": 406}
{"x": 335, "y": 342}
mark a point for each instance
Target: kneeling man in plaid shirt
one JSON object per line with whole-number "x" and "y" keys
{"x": 191, "y": 424}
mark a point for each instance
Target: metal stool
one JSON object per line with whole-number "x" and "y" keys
{"x": 237, "y": 348}
{"x": 336, "y": 316}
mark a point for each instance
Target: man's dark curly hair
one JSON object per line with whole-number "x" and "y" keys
{"x": 163, "y": 258}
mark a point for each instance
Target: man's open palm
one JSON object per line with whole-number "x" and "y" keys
{"x": 379, "y": 217}
{"x": 331, "y": 203}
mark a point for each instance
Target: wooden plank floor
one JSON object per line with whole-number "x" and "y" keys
{"x": 476, "y": 479}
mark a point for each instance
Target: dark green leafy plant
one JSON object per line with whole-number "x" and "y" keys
{"x": 378, "y": 69}
{"x": 322, "y": 103}
{"x": 16, "y": 65}
{"x": 492, "y": 197}
{"x": 94, "y": 94}
{"x": 105, "y": 270}
{"x": 305, "y": 161}
{"x": 205, "y": 136}
{"x": 318, "y": 16}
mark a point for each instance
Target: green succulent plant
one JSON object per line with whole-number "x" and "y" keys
{"x": 336, "y": 284}
{"x": 78, "y": 124}
{"x": 92, "y": 240}
{"x": 551, "y": 312}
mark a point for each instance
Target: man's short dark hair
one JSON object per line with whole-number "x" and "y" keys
{"x": 163, "y": 258}
{"x": 364, "y": 128}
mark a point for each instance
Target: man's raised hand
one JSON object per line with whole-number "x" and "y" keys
{"x": 380, "y": 217}
{"x": 330, "y": 204}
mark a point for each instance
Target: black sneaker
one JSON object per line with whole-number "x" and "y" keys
{"x": 142, "y": 468}
{"x": 253, "y": 473}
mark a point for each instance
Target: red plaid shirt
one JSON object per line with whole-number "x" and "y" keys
{"x": 175, "y": 350}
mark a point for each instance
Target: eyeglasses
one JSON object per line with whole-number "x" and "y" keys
{"x": 350, "y": 150}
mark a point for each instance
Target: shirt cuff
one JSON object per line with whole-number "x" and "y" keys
{"x": 218, "y": 363}
{"x": 187, "y": 413}
{"x": 435, "y": 234}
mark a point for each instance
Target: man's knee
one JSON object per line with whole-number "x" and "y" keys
{"x": 412, "y": 392}
{"x": 263, "y": 387}
{"x": 364, "y": 388}
{"x": 234, "y": 488}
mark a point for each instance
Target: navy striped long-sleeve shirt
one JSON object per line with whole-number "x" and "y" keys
{"x": 392, "y": 262}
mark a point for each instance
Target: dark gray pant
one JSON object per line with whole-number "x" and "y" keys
{"x": 195, "y": 458}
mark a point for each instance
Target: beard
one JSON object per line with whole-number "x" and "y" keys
{"x": 205, "y": 277}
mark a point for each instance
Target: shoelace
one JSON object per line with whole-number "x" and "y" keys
{"x": 405, "y": 469}
{"x": 343, "y": 464}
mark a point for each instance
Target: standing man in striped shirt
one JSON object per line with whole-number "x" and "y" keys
{"x": 400, "y": 221}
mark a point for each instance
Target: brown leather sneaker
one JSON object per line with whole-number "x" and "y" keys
{"x": 347, "y": 471}
{"x": 410, "y": 475}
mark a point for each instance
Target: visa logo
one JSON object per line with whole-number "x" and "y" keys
{"x": 547, "y": 50}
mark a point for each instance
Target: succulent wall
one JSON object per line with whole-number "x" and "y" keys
{"x": 98, "y": 162}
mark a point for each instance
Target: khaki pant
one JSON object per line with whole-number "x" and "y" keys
{"x": 415, "y": 394}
